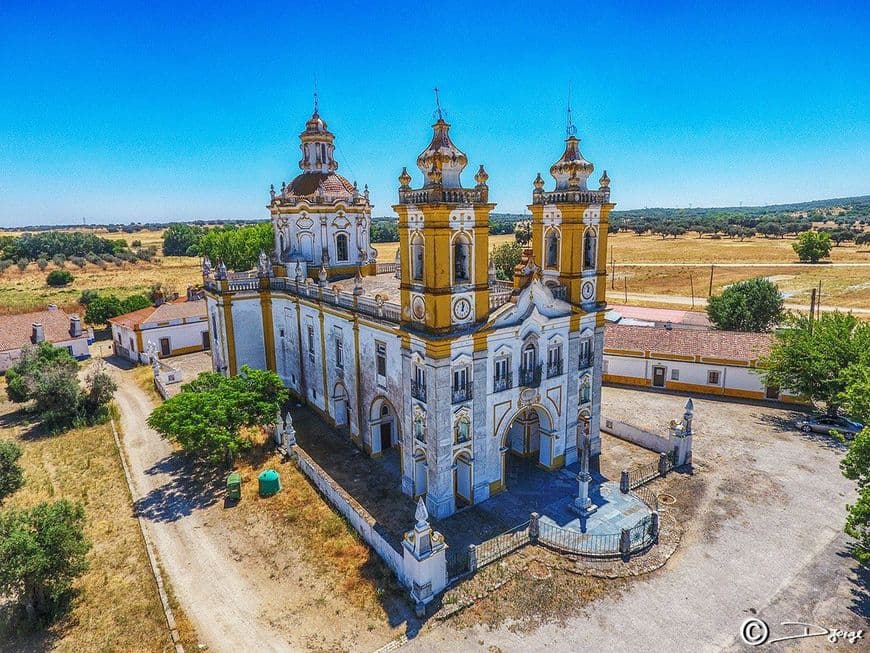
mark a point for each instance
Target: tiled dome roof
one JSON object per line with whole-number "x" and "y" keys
{"x": 314, "y": 183}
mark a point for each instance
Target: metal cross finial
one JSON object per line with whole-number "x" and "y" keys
{"x": 315, "y": 93}
{"x": 570, "y": 130}
{"x": 438, "y": 104}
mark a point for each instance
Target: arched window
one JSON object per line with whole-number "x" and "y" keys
{"x": 323, "y": 152}
{"x": 551, "y": 257}
{"x": 530, "y": 356}
{"x": 589, "y": 249}
{"x": 417, "y": 259}
{"x": 461, "y": 260}
{"x": 585, "y": 390}
{"x": 341, "y": 247}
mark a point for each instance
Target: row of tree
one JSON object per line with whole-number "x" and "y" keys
{"x": 238, "y": 247}
{"x": 47, "y": 244}
{"x": 43, "y": 548}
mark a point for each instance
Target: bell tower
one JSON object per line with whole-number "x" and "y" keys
{"x": 443, "y": 240}
{"x": 569, "y": 227}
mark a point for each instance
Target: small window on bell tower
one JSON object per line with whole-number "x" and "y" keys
{"x": 461, "y": 260}
{"x": 417, "y": 259}
{"x": 551, "y": 257}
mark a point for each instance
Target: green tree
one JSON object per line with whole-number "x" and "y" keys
{"x": 811, "y": 357}
{"x": 855, "y": 465}
{"x": 751, "y": 305}
{"x": 238, "y": 247}
{"x": 811, "y": 246}
{"x": 178, "y": 239}
{"x": 505, "y": 257}
{"x": 11, "y": 474}
{"x": 42, "y": 550}
{"x": 58, "y": 278}
{"x": 100, "y": 308}
{"x": 207, "y": 417}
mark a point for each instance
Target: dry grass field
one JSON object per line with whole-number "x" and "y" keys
{"x": 27, "y": 290}
{"x": 116, "y": 606}
{"x": 848, "y": 287}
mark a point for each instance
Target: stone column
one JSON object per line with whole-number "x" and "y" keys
{"x": 583, "y": 504}
{"x": 424, "y": 560}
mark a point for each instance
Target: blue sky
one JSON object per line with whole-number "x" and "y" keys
{"x": 143, "y": 111}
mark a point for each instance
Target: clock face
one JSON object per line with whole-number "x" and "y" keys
{"x": 418, "y": 308}
{"x": 588, "y": 290}
{"x": 461, "y": 309}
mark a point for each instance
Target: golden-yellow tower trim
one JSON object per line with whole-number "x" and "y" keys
{"x": 443, "y": 240}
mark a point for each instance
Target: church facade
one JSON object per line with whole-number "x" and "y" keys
{"x": 430, "y": 358}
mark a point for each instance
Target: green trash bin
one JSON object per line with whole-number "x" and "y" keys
{"x": 270, "y": 483}
{"x": 234, "y": 486}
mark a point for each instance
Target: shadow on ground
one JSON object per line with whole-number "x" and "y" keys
{"x": 189, "y": 487}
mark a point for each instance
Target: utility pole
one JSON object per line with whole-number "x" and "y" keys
{"x": 812, "y": 307}
{"x": 819, "y": 301}
{"x": 710, "y": 291}
{"x": 625, "y": 288}
{"x": 692, "y": 285}
{"x": 612, "y": 270}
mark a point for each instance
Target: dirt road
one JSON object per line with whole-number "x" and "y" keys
{"x": 225, "y": 608}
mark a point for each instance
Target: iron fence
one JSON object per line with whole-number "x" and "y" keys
{"x": 642, "y": 474}
{"x": 496, "y": 547}
{"x": 604, "y": 544}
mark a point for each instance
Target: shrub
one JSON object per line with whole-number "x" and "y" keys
{"x": 59, "y": 260}
{"x": 57, "y": 278}
{"x": 22, "y": 263}
{"x": 78, "y": 261}
{"x": 5, "y": 265}
{"x": 136, "y": 243}
{"x": 41, "y": 263}
{"x": 42, "y": 550}
{"x": 11, "y": 474}
{"x": 812, "y": 246}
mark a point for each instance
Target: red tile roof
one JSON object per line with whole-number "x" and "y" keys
{"x": 675, "y": 316}
{"x": 16, "y": 330}
{"x": 170, "y": 311}
{"x": 733, "y": 345}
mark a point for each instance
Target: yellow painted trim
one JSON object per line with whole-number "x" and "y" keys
{"x": 625, "y": 352}
{"x": 624, "y": 380}
{"x": 268, "y": 330}
{"x": 323, "y": 365}
{"x": 232, "y": 364}
{"x": 559, "y": 461}
{"x": 724, "y": 361}
{"x": 497, "y": 486}
{"x": 670, "y": 357}
{"x": 186, "y": 350}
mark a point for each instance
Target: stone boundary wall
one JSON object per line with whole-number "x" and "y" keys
{"x": 358, "y": 517}
{"x": 636, "y": 436}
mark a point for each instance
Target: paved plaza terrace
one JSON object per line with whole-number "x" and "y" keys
{"x": 374, "y": 483}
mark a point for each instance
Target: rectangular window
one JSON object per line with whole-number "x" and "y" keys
{"x": 311, "y": 343}
{"x": 418, "y": 385}
{"x": 381, "y": 358}
{"x": 675, "y": 375}
{"x": 713, "y": 377}
{"x": 339, "y": 351}
{"x": 502, "y": 365}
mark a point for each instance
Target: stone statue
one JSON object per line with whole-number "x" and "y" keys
{"x": 263, "y": 264}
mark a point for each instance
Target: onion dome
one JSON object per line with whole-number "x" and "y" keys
{"x": 604, "y": 181}
{"x": 572, "y": 170}
{"x": 405, "y": 179}
{"x": 481, "y": 176}
{"x": 443, "y": 155}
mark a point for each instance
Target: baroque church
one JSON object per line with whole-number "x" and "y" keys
{"x": 430, "y": 358}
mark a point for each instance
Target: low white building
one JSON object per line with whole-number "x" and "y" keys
{"x": 689, "y": 360}
{"x": 51, "y": 325}
{"x": 174, "y": 328}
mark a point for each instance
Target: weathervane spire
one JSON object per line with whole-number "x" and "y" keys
{"x": 570, "y": 129}
{"x": 315, "y": 93}
{"x": 438, "y": 105}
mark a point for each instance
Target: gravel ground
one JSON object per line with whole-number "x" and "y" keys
{"x": 763, "y": 515}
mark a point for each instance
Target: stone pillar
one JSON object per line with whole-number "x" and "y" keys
{"x": 681, "y": 437}
{"x": 534, "y": 526}
{"x": 623, "y": 482}
{"x": 655, "y": 526}
{"x": 625, "y": 542}
{"x": 424, "y": 560}
{"x": 583, "y": 504}
{"x": 663, "y": 464}
{"x": 472, "y": 558}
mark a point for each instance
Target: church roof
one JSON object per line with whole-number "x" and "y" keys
{"x": 319, "y": 183}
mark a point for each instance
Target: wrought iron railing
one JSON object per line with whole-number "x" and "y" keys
{"x": 530, "y": 377}
{"x": 571, "y": 541}
{"x": 586, "y": 362}
{"x": 500, "y": 545}
{"x": 462, "y": 392}
{"x": 501, "y": 383}
{"x": 418, "y": 391}
{"x": 554, "y": 369}
{"x": 642, "y": 474}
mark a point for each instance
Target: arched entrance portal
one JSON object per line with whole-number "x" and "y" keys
{"x": 527, "y": 437}
{"x": 383, "y": 425}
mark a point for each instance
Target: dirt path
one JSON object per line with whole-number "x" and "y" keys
{"x": 224, "y": 606}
